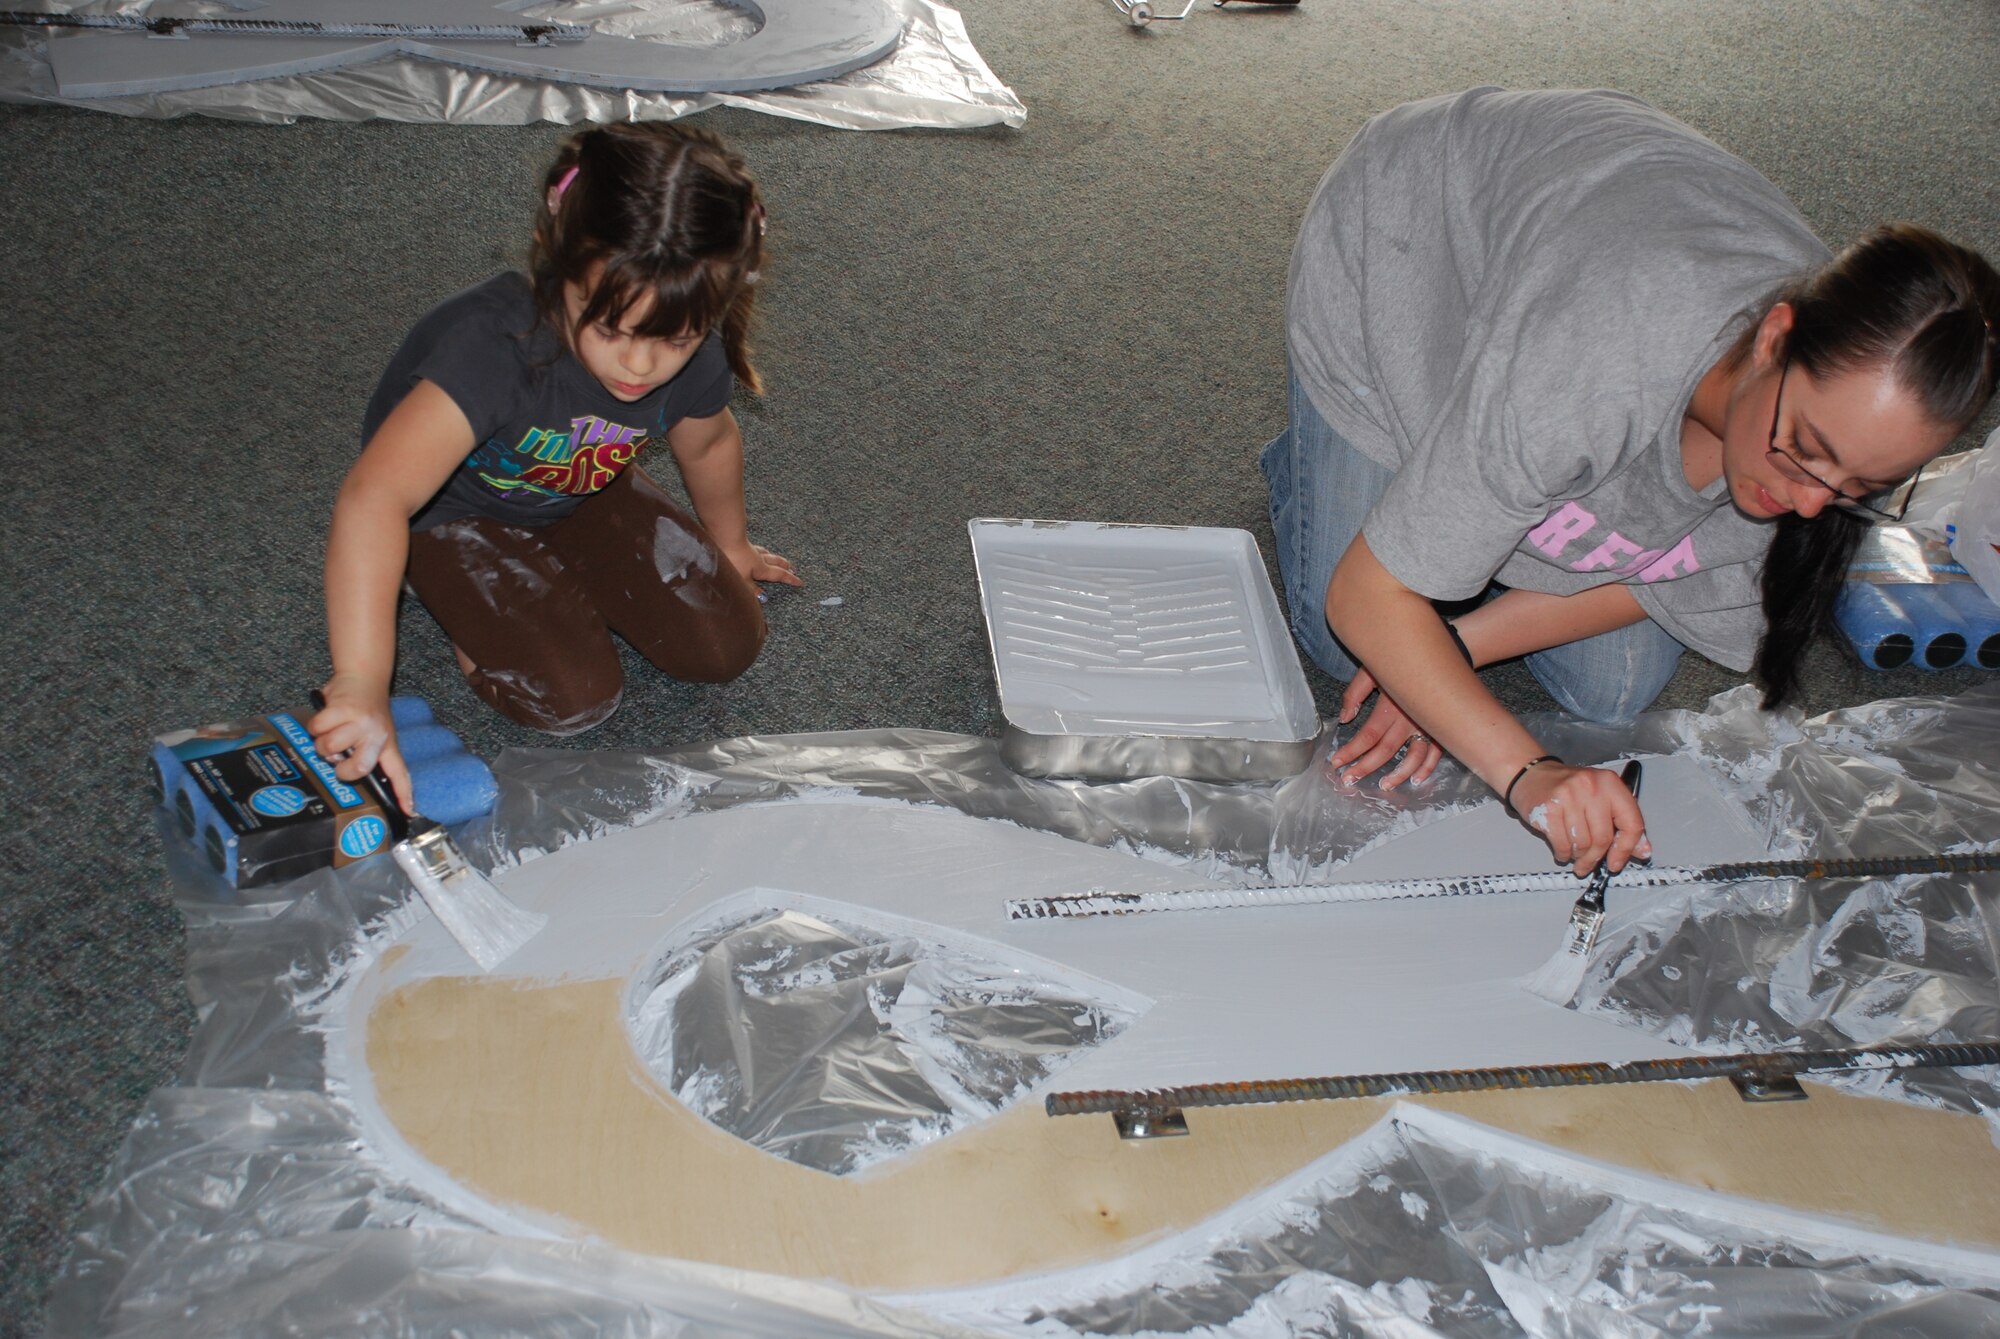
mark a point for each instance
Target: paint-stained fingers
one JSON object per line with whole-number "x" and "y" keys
{"x": 1433, "y": 755}
{"x": 1358, "y": 689}
{"x": 1541, "y": 801}
{"x": 1386, "y": 733}
{"x": 1585, "y": 814}
{"x": 1593, "y": 832}
{"x": 1371, "y": 731}
{"x": 1607, "y": 812}
{"x": 1364, "y": 751}
{"x": 1371, "y": 762}
{"x": 1419, "y": 760}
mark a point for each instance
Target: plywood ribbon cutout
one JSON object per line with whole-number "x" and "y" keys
{"x": 797, "y": 41}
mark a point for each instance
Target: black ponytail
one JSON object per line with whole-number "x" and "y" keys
{"x": 1803, "y": 573}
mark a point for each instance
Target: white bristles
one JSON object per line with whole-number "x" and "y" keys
{"x": 477, "y": 914}
{"x": 1561, "y": 976}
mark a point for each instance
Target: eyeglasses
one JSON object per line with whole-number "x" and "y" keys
{"x": 1854, "y": 505}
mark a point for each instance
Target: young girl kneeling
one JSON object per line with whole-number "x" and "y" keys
{"x": 498, "y": 476}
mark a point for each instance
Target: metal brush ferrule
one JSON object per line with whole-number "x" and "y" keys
{"x": 434, "y": 851}
{"x": 1584, "y": 925}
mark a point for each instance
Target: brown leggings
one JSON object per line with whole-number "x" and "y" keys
{"x": 534, "y": 609}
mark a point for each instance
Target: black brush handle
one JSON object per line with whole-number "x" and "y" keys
{"x": 378, "y": 785}
{"x": 1600, "y": 879}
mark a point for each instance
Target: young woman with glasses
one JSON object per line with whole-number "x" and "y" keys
{"x": 1557, "y": 358}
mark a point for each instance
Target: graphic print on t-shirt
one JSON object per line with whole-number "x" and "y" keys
{"x": 1566, "y": 537}
{"x": 579, "y": 459}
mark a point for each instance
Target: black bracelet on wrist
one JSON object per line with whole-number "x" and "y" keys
{"x": 1507, "y": 795}
{"x": 1459, "y": 642}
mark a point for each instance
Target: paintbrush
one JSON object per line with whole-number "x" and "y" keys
{"x": 478, "y": 915}
{"x": 1562, "y": 975}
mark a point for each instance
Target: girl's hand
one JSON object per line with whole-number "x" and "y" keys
{"x": 354, "y": 732}
{"x": 1585, "y": 814}
{"x": 760, "y": 564}
{"x": 1386, "y": 731}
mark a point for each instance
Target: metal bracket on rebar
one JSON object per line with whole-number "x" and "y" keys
{"x": 1760, "y": 1077}
{"x": 1765, "y": 1086}
{"x": 1149, "y": 1122}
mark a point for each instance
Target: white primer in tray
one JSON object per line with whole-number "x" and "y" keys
{"x": 1127, "y": 649}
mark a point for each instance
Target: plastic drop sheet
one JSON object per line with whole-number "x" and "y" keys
{"x": 245, "y": 1200}
{"x": 837, "y": 1046}
{"x": 934, "y": 78}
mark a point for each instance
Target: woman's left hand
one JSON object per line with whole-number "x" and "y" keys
{"x": 760, "y": 564}
{"x": 1386, "y": 732}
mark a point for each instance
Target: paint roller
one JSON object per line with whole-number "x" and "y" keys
{"x": 1941, "y": 633}
{"x": 1882, "y": 635}
{"x": 246, "y": 794}
{"x": 1982, "y": 621}
{"x": 1930, "y": 626}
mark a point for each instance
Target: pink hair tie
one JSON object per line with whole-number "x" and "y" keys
{"x": 567, "y": 178}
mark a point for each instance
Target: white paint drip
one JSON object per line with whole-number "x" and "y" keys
{"x": 675, "y": 551}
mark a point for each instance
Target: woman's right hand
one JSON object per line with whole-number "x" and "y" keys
{"x": 354, "y": 731}
{"x": 1585, "y": 814}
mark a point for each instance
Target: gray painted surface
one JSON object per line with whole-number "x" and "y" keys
{"x": 799, "y": 41}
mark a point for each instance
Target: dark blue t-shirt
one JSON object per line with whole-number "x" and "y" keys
{"x": 549, "y": 434}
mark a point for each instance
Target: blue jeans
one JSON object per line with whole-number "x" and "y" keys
{"x": 1322, "y": 489}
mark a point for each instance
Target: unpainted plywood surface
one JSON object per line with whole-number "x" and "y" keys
{"x": 532, "y": 1096}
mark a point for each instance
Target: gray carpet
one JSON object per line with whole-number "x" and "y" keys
{"x": 1077, "y": 319}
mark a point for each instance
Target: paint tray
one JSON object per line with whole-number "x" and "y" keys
{"x": 1140, "y": 650}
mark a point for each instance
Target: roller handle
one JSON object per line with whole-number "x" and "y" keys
{"x": 376, "y": 783}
